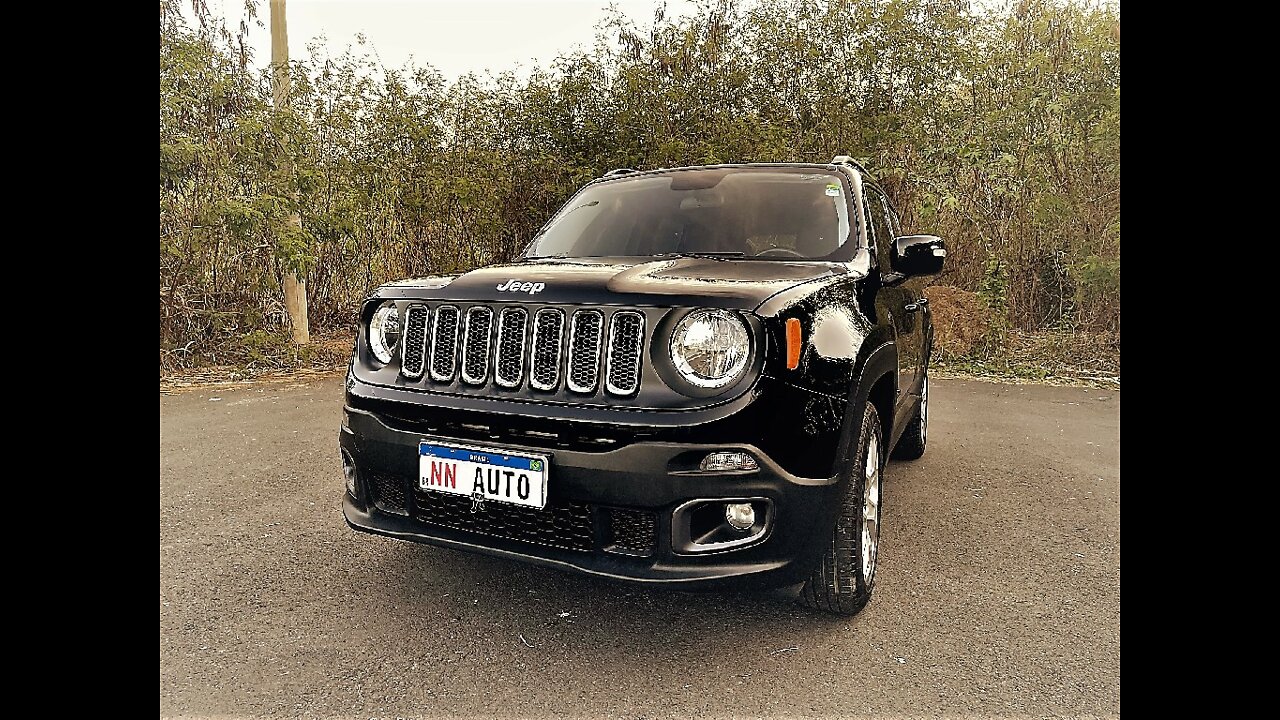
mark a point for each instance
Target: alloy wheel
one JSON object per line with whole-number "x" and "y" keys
{"x": 871, "y": 510}
{"x": 924, "y": 409}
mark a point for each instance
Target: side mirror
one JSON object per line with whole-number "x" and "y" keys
{"x": 918, "y": 255}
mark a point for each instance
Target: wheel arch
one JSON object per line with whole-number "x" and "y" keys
{"x": 875, "y": 381}
{"x": 881, "y": 395}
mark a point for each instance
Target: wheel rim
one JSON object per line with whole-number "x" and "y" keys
{"x": 924, "y": 409}
{"x": 871, "y": 510}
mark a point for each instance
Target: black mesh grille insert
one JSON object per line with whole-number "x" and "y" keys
{"x": 388, "y": 493}
{"x": 415, "y": 341}
{"x": 584, "y": 351}
{"x": 510, "y": 364}
{"x": 444, "y": 343}
{"x": 548, "y": 331}
{"x": 475, "y": 351}
{"x": 626, "y": 338}
{"x": 633, "y": 532}
{"x": 561, "y": 526}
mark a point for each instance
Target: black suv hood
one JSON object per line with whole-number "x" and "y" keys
{"x": 673, "y": 281}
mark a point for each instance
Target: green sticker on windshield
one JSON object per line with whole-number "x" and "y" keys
{"x": 833, "y": 190}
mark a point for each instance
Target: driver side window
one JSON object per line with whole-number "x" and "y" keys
{"x": 878, "y": 224}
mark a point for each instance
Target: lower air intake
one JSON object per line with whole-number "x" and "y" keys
{"x": 633, "y": 532}
{"x": 565, "y": 526}
{"x": 387, "y": 493}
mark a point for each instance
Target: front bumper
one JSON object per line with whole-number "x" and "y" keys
{"x": 611, "y": 512}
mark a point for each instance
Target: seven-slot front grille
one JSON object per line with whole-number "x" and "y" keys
{"x": 548, "y": 348}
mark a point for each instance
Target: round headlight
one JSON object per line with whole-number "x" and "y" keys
{"x": 384, "y": 332}
{"x": 710, "y": 347}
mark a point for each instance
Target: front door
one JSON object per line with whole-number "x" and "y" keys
{"x": 899, "y": 299}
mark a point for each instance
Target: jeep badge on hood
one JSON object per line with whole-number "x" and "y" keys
{"x": 514, "y": 285}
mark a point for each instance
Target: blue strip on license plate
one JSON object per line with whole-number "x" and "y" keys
{"x": 514, "y": 462}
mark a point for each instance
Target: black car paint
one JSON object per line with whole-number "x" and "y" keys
{"x": 862, "y": 344}
{"x": 673, "y": 281}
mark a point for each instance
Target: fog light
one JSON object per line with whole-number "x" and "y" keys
{"x": 721, "y": 461}
{"x": 349, "y": 473}
{"x": 740, "y": 516}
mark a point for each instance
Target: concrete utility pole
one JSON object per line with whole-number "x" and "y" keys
{"x": 295, "y": 288}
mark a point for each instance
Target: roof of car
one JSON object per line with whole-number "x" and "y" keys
{"x": 621, "y": 173}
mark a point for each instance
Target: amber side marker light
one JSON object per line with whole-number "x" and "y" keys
{"x": 793, "y": 343}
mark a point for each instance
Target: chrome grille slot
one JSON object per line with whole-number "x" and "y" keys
{"x": 475, "y": 345}
{"x": 585, "y": 334}
{"x": 444, "y": 343}
{"x": 544, "y": 361}
{"x": 414, "y": 348}
{"x": 626, "y": 344}
{"x": 509, "y": 367}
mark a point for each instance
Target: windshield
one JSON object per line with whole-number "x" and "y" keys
{"x": 746, "y": 212}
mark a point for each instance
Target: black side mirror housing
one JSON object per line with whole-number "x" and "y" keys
{"x": 918, "y": 255}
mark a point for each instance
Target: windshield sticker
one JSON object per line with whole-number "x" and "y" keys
{"x": 833, "y": 190}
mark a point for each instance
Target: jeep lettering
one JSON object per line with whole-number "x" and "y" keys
{"x": 514, "y": 285}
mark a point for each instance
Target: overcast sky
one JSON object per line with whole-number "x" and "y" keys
{"x": 456, "y": 36}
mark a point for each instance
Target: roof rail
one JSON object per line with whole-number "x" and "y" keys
{"x": 846, "y": 160}
{"x": 619, "y": 171}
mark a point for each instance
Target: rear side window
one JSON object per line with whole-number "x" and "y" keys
{"x": 879, "y": 223}
{"x": 895, "y": 223}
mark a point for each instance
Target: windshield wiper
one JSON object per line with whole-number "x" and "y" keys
{"x": 721, "y": 256}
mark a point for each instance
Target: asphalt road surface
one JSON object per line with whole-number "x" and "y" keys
{"x": 998, "y": 591}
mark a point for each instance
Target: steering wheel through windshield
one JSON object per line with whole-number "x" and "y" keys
{"x": 780, "y": 252}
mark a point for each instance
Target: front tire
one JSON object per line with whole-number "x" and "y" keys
{"x": 911, "y": 444}
{"x": 843, "y": 582}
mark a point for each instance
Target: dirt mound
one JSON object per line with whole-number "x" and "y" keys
{"x": 962, "y": 322}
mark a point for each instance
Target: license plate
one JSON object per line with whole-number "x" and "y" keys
{"x": 483, "y": 473}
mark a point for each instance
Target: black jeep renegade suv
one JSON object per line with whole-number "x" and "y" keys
{"x": 691, "y": 378}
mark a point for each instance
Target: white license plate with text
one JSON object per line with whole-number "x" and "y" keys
{"x": 483, "y": 473}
